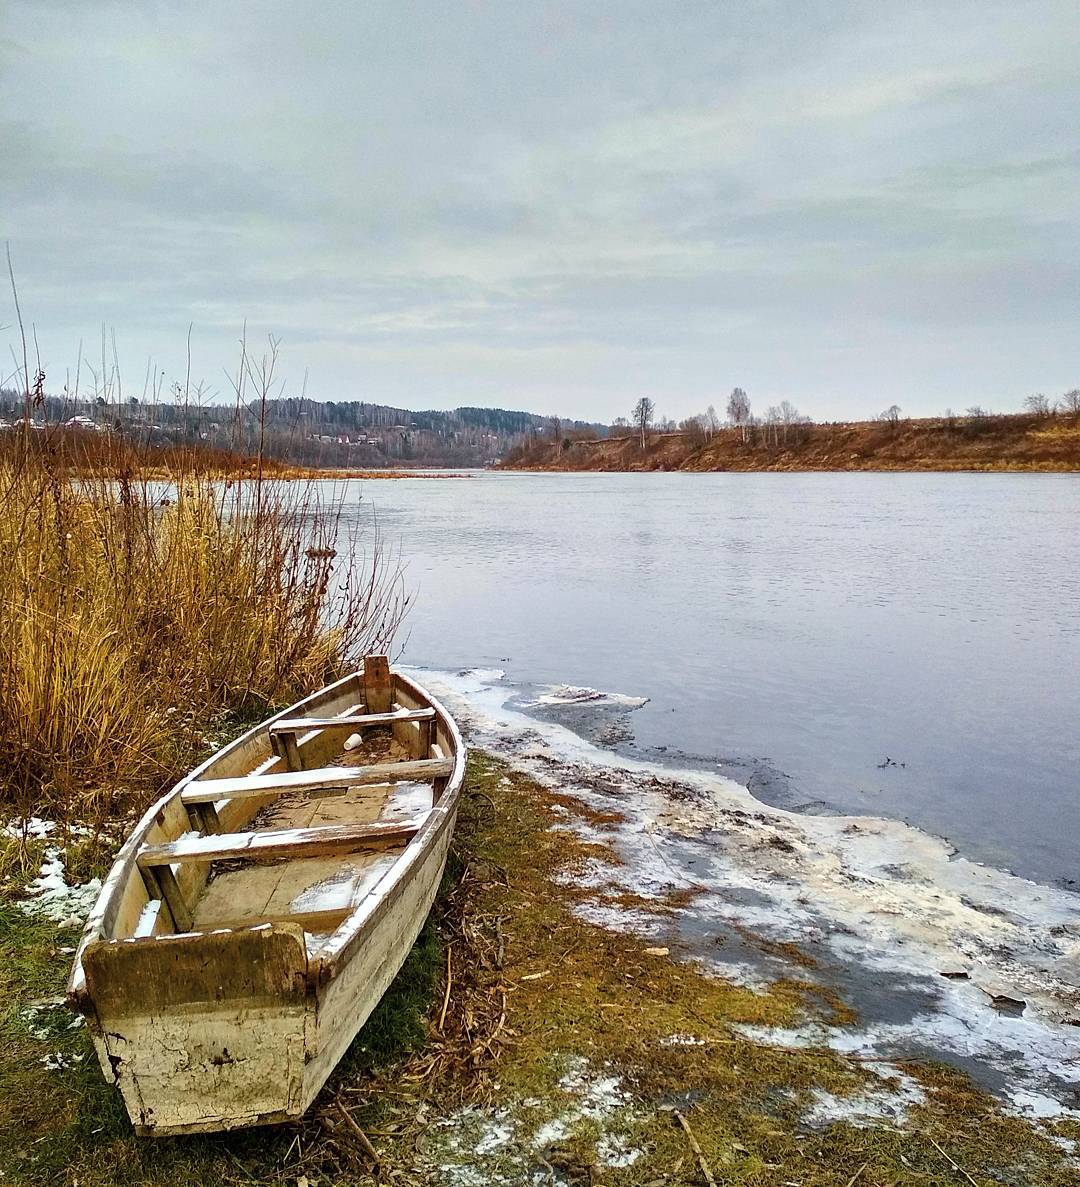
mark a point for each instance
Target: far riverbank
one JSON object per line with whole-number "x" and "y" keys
{"x": 1018, "y": 444}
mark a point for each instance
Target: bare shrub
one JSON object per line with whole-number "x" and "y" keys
{"x": 1038, "y": 405}
{"x": 891, "y": 416}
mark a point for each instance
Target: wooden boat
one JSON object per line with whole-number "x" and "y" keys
{"x": 259, "y": 910}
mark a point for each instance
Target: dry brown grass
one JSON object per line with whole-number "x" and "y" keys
{"x": 138, "y": 613}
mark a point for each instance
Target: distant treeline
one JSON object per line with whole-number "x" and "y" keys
{"x": 304, "y": 432}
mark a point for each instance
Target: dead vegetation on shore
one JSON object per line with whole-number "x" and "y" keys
{"x": 141, "y": 614}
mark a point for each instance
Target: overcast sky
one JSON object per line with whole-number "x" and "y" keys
{"x": 555, "y": 206}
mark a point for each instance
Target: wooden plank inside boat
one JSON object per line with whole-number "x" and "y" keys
{"x": 326, "y": 779}
{"x": 267, "y": 844}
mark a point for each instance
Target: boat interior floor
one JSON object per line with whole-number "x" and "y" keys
{"x": 318, "y": 890}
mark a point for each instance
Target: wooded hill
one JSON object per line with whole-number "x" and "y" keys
{"x": 305, "y": 432}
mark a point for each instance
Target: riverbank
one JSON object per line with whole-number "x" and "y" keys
{"x": 986, "y": 443}
{"x": 525, "y": 1040}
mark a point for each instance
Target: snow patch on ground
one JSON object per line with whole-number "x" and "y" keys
{"x": 497, "y": 1146}
{"x": 50, "y": 895}
{"x": 35, "y": 828}
{"x": 681, "y": 1041}
{"x": 56, "y": 1061}
{"x": 618, "y": 918}
{"x": 890, "y": 1103}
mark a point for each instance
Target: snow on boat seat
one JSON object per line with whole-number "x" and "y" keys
{"x": 299, "y": 725}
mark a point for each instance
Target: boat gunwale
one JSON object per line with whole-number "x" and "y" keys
{"x": 322, "y": 966}
{"x": 339, "y": 948}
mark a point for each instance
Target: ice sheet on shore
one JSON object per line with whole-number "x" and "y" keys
{"x": 935, "y": 945}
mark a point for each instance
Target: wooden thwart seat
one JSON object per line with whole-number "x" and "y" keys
{"x": 321, "y": 781}
{"x": 358, "y": 721}
{"x": 313, "y": 921}
{"x": 268, "y": 844}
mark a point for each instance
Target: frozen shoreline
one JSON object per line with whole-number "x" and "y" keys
{"x": 939, "y": 955}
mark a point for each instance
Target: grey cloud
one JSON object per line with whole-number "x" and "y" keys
{"x": 561, "y": 205}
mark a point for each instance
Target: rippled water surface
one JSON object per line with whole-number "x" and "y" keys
{"x": 796, "y": 630}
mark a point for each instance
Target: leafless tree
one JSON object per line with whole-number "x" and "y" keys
{"x": 891, "y": 415}
{"x": 976, "y": 412}
{"x": 642, "y": 417}
{"x": 712, "y": 422}
{"x": 738, "y": 410}
{"x": 695, "y": 430}
{"x": 1038, "y": 405}
{"x": 771, "y": 423}
{"x": 1070, "y": 402}
{"x": 790, "y": 419}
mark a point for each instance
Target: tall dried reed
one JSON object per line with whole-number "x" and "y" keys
{"x": 134, "y": 614}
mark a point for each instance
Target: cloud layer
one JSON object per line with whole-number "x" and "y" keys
{"x": 557, "y": 205}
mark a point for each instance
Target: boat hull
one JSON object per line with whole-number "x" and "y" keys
{"x": 242, "y": 1026}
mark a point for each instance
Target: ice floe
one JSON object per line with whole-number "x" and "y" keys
{"x": 569, "y": 694}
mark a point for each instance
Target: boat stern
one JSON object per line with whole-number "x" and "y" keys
{"x": 203, "y": 1032}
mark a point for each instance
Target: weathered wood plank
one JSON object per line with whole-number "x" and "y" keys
{"x": 172, "y": 894}
{"x": 267, "y": 844}
{"x": 313, "y": 921}
{"x": 378, "y": 684}
{"x": 291, "y": 752}
{"x": 420, "y": 743}
{"x": 231, "y": 969}
{"x": 299, "y": 725}
{"x": 209, "y": 790}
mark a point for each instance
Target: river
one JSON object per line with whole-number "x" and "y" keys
{"x": 900, "y": 645}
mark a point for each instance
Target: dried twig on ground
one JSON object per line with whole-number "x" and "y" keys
{"x": 698, "y": 1152}
{"x": 955, "y": 1165}
{"x": 449, "y": 982}
{"x": 361, "y": 1137}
